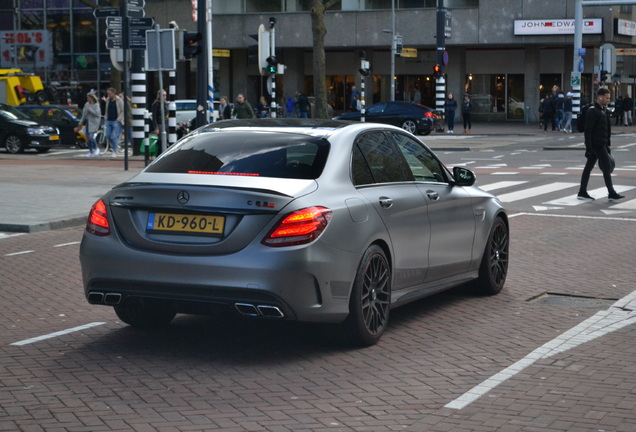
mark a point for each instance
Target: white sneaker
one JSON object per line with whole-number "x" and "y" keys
{"x": 113, "y": 155}
{"x": 96, "y": 152}
{"x": 89, "y": 154}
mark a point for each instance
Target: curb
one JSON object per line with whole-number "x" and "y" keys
{"x": 71, "y": 222}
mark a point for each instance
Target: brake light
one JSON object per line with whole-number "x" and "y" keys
{"x": 98, "y": 220}
{"x": 300, "y": 227}
{"x": 430, "y": 114}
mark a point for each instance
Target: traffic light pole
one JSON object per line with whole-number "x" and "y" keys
{"x": 202, "y": 65}
{"x": 440, "y": 82}
{"x": 272, "y": 54}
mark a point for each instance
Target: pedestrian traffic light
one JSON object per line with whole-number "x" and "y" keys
{"x": 272, "y": 64}
{"x": 437, "y": 71}
{"x": 191, "y": 46}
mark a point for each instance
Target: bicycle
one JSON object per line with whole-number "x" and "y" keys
{"x": 103, "y": 144}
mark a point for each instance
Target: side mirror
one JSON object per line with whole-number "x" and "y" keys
{"x": 463, "y": 176}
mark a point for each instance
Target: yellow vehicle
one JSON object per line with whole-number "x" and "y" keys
{"x": 18, "y": 87}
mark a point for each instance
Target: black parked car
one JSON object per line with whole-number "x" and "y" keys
{"x": 18, "y": 132}
{"x": 63, "y": 117}
{"x": 415, "y": 118}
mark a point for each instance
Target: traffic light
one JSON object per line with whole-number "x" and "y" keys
{"x": 258, "y": 54}
{"x": 605, "y": 76}
{"x": 191, "y": 46}
{"x": 437, "y": 71}
{"x": 272, "y": 64}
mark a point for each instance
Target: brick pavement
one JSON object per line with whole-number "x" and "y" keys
{"x": 213, "y": 374}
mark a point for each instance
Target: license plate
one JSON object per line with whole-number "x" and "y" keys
{"x": 55, "y": 137}
{"x": 175, "y": 223}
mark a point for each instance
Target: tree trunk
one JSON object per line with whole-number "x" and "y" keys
{"x": 320, "y": 80}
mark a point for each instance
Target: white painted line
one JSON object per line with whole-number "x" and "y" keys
{"x": 20, "y": 253}
{"x": 500, "y": 185}
{"x": 6, "y": 235}
{"x": 619, "y": 315}
{"x": 504, "y": 173}
{"x": 56, "y": 334}
{"x": 67, "y": 244}
{"x": 535, "y": 191}
{"x": 552, "y": 173}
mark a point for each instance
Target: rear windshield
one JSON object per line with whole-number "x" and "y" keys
{"x": 247, "y": 153}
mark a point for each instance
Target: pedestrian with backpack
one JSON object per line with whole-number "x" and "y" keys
{"x": 598, "y": 132}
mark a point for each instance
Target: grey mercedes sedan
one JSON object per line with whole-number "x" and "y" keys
{"x": 292, "y": 219}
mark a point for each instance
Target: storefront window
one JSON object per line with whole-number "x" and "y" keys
{"x": 497, "y": 93}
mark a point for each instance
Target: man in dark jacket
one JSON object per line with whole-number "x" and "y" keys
{"x": 628, "y": 107}
{"x": 549, "y": 111}
{"x": 598, "y": 132}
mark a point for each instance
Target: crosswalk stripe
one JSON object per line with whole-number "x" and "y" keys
{"x": 500, "y": 185}
{"x": 535, "y": 191}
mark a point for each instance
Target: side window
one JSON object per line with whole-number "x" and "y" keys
{"x": 423, "y": 165}
{"x": 375, "y": 160}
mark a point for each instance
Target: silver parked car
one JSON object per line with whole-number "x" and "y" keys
{"x": 292, "y": 219}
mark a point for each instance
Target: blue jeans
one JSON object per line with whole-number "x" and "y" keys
{"x": 303, "y": 114}
{"x": 113, "y": 131}
{"x": 92, "y": 144}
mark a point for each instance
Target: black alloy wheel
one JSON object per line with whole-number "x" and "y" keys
{"x": 370, "y": 300}
{"x": 494, "y": 263}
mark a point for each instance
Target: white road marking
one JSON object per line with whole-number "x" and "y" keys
{"x": 7, "y": 235}
{"x": 19, "y": 253}
{"x": 500, "y": 185}
{"x": 56, "y": 334}
{"x": 535, "y": 191}
{"x": 619, "y": 315}
{"x": 66, "y": 244}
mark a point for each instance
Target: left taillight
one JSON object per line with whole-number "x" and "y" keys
{"x": 98, "y": 220}
{"x": 430, "y": 114}
{"x": 300, "y": 227}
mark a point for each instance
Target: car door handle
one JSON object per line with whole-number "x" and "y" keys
{"x": 385, "y": 202}
{"x": 432, "y": 195}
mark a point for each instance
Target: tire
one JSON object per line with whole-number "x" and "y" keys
{"x": 13, "y": 144}
{"x": 41, "y": 96}
{"x": 370, "y": 301}
{"x": 146, "y": 313}
{"x": 409, "y": 126}
{"x": 494, "y": 263}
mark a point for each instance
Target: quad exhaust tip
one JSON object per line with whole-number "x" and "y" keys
{"x": 252, "y": 310}
{"x": 110, "y": 299}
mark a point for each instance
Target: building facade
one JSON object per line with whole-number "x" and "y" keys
{"x": 506, "y": 53}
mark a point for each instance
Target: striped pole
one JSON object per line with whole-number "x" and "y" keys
{"x": 172, "y": 108}
{"x": 362, "y": 111}
{"x": 440, "y": 93}
{"x": 138, "y": 90}
{"x": 146, "y": 140}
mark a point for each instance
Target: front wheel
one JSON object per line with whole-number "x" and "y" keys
{"x": 410, "y": 126}
{"x": 146, "y": 313}
{"x": 101, "y": 140}
{"x": 494, "y": 262}
{"x": 370, "y": 300}
{"x": 13, "y": 144}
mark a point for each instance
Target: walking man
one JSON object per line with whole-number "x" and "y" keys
{"x": 114, "y": 114}
{"x": 597, "y": 145}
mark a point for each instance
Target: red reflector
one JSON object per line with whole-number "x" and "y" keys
{"x": 98, "y": 220}
{"x": 300, "y": 227}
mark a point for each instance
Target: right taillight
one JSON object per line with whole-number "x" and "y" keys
{"x": 98, "y": 220}
{"x": 300, "y": 227}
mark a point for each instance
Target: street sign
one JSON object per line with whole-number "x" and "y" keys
{"x": 139, "y": 4}
{"x": 106, "y": 12}
{"x": 160, "y": 54}
{"x": 147, "y": 23}
{"x": 114, "y": 44}
{"x": 114, "y": 22}
{"x": 134, "y": 12}
{"x": 137, "y": 37}
{"x": 113, "y": 33}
